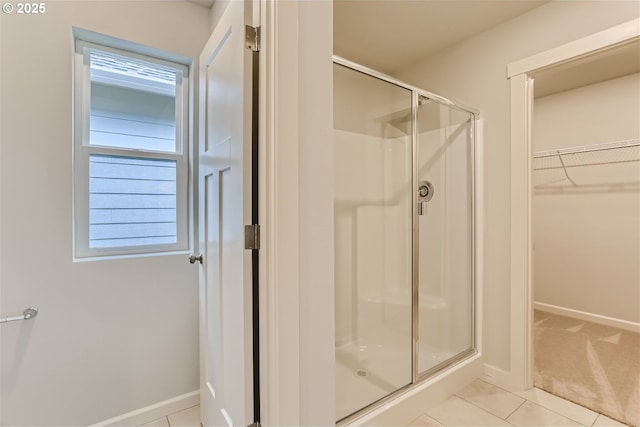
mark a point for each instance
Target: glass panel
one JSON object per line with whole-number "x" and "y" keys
{"x": 445, "y": 155}
{"x": 133, "y": 104}
{"x": 372, "y": 179}
{"x": 132, "y": 201}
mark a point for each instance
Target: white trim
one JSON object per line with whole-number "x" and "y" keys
{"x": 1, "y": 234}
{"x": 82, "y": 150}
{"x": 620, "y": 34}
{"x": 293, "y": 373}
{"x": 589, "y": 317}
{"x": 279, "y": 266}
{"x": 117, "y": 43}
{"x": 520, "y": 358}
{"x": 153, "y": 412}
{"x": 316, "y": 212}
{"x": 519, "y": 72}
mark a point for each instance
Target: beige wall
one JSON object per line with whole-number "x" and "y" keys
{"x": 474, "y": 72}
{"x": 587, "y": 237}
{"x": 112, "y": 336}
{"x": 216, "y": 11}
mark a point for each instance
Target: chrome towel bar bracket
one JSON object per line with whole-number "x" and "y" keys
{"x": 29, "y": 313}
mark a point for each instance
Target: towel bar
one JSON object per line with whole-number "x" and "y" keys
{"x": 29, "y": 313}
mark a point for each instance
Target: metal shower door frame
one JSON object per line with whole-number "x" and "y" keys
{"x": 416, "y": 94}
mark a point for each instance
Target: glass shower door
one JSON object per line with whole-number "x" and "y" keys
{"x": 444, "y": 247}
{"x": 373, "y": 246}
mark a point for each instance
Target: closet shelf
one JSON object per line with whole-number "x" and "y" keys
{"x": 588, "y": 155}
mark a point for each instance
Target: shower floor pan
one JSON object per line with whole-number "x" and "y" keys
{"x": 367, "y": 371}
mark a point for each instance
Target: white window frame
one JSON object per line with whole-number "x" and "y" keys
{"x": 82, "y": 150}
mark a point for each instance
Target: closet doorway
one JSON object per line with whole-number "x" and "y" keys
{"x": 585, "y": 232}
{"x": 576, "y": 237}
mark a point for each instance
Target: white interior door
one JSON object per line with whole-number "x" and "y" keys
{"x": 226, "y": 359}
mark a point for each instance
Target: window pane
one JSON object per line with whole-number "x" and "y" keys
{"x": 132, "y": 201}
{"x": 133, "y": 104}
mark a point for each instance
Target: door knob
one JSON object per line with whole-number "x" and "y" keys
{"x": 193, "y": 258}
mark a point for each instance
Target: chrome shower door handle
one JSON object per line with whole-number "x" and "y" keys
{"x": 425, "y": 193}
{"x": 193, "y": 258}
{"x": 422, "y": 208}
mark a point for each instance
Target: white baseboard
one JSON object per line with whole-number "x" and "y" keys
{"x": 498, "y": 373}
{"x": 153, "y": 412}
{"x": 589, "y": 317}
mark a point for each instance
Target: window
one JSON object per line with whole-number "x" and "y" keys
{"x": 130, "y": 153}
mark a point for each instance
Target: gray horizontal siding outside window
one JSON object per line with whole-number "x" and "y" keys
{"x": 132, "y": 201}
{"x": 134, "y": 119}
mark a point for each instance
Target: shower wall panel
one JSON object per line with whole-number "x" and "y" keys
{"x": 372, "y": 175}
{"x": 371, "y": 231}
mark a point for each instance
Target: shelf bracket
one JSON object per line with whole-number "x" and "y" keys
{"x": 564, "y": 168}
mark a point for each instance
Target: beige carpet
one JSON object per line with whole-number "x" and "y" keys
{"x": 592, "y": 365}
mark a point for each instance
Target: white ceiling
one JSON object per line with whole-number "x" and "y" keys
{"x": 388, "y": 35}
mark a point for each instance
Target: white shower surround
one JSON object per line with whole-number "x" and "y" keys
{"x": 376, "y": 198}
{"x": 413, "y": 401}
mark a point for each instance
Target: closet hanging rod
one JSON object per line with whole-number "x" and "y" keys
{"x": 588, "y": 148}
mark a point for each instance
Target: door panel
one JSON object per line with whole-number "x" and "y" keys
{"x": 445, "y": 234}
{"x": 372, "y": 214}
{"x": 226, "y": 360}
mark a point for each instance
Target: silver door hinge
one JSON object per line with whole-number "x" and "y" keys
{"x": 252, "y": 236}
{"x": 252, "y": 38}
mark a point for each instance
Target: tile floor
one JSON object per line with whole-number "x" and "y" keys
{"x": 486, "y": 402}
{"x": 188, "y": 418}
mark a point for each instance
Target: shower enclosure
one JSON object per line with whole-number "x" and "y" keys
{"x": 404, "y": 236}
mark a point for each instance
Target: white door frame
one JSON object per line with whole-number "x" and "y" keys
{"x": 520, "y": 74}
{"x": 297, "y": 362}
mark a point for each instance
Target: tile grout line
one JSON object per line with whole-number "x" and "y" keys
{"x": 182, "y": 410}
{"x": 524, "y": 399}
{"x": 512, "y": 412}
{"x": 563, "y": 415}
{"x": 519, "y": 406}
{"x": 500, "y": 387}
{"x": 434, "y": 418}
{"x": 545, "y": 407}
{"x": 549, "y": 409}
{"x": 482, "y": 409}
